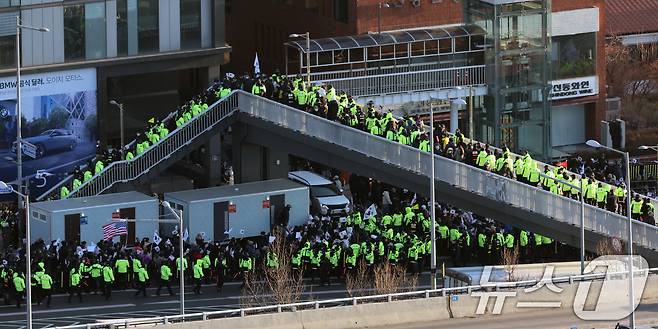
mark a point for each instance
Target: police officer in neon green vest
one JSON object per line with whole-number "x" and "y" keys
{"x": 165, "y": 277}
{"x": 74, "y": 284}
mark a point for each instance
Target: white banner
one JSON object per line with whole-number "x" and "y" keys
{"x": 571, "y": 88}
{"x": 49, "y": 83}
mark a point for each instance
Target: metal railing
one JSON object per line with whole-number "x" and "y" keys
{"x": 127, "y": 170}
{"x": 373, "y": 71}
{"x": 460, "y": 175}
{"x": 410, "y": 81}
{"x": 351, "y": 301}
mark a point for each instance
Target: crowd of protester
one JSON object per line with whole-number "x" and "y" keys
{"x": 397, "y": 232}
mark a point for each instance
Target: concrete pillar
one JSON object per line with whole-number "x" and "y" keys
{"x": 212, "y": 161}
{"x": 247, "y": 158}
{"x": 277, "y": 164}
{"x": 454, "y": 117}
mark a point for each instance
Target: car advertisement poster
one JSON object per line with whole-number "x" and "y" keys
{"x": 58, "y": 112}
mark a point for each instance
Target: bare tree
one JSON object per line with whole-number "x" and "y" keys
{"x": 278, "y": 284}
{"x": 285, "y": 284}
{"x": 607, "y": 246}
{"x": 391, "y": 278}
{"x": 510, "y": 260}
{"x": 357, "y": 281}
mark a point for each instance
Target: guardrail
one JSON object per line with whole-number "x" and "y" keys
{"x": 123, "y": 171}
{"x": 410, "y": 81}
{"x": 460, "y": 175}
{"x": 372, "y": 71}
{"x": 351, "y": 301}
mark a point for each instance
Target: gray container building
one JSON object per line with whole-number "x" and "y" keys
{"x": 81, "y": 219}
{"x": 241, "y": 210}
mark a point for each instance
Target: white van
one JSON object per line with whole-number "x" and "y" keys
{"x": 326, "y": 199}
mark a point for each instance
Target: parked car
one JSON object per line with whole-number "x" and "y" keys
{"x": 51, "y": 141}
{"x": 326, "y": 198}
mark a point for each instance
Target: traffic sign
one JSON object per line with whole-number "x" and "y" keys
{"x": 29, "y": 149}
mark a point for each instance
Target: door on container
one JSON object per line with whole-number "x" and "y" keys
{"x": 277, "y": 203}
{"x": 72, "y": 228}
{"x": 220, "y": 220}
{"x": 128, "y": 213}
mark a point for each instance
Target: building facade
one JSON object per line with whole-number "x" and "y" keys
{"x": 149, "y": 55}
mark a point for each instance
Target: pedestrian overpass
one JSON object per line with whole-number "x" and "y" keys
{"x": 290, "y": 131}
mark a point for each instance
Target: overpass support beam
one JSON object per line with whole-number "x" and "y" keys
{"x": 212, "y": 161}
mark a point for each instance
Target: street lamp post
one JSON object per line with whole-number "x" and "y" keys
{"x": 595, "y": 144}
{"x": 432, "y": 201}
{"x": 306, "y": 35}
{"x": 120, "y": 107}
{"x": 19, "y": 136}
{"x": 28, "y": 257}
{"x": 179, "y": 216}
{"x": 381, "y": 5}
{"x": 582, "y": 217}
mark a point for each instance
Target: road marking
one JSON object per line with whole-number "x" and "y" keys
{"x": 69, "y": 309}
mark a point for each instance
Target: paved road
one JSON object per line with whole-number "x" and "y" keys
{"x": 646, "y": 317}
{"x": 124, "y": 305}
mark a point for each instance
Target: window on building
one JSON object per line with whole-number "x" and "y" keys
{"x": 8, "y": 39}
{"x": 461, "y": 44}
{"x": 340, "y": 10}
{"x": 190, "y": 24}
{"x": 445, "y": 46}
{"x": 356, "y": 55}
{"x": 137, "y": 27}
{"x": 147, "y": 26}
{"x": 7, "y": 50}
{"x": 418, "y": 48}
{"x": 84, "y": 31}
{"x": 74, "y": 32}
{"x": 574, "y": 56}
{"x": 402, "y": 50}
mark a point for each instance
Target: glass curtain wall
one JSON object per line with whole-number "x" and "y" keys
{"x": 517, "y": 109}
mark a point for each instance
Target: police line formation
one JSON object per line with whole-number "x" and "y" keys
{"x": 325, "y": 101}
{"x": 322, "y": 248}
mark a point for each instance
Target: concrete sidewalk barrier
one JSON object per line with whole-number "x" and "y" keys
{"x": 383, "y": 314}
{"x": 347, "y": 317}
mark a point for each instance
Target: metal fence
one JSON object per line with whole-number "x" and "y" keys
{"x": 373, "y": 71}
{"x": 351, "y": 301}
{"x": 458, "y": 174}
{"x": 410, "y": 81}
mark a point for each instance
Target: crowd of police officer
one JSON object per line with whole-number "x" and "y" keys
{"x": 324, "y": 247}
